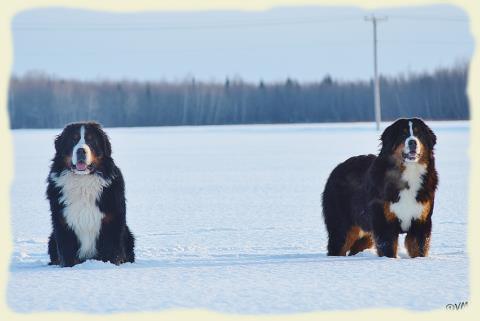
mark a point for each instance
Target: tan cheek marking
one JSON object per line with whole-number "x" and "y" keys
{"x": 95, "y": 159}
{"x": 389, "y": 215}
{"x": 67, "y": 160}
{"x": 424, "y": 153}
{"x": 398, "y": 152}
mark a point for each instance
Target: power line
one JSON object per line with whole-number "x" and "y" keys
{"x": 243, "y": 24}
{"x": 154, "y": 26}
{"x": 146, "y": 52}
{"x": 426, "y": 17}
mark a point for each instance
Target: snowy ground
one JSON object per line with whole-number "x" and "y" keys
{"x": 229, "y": 219}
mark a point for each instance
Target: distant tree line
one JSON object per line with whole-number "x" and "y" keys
{"x": 37, "y": 100}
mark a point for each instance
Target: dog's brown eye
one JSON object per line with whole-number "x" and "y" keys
{"x": 405, "y": 130}
{"x": 76, "y": 136}
{"x": 89, "y": 137}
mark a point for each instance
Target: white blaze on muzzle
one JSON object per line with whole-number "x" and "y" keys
{"x": 406, "y": 148}
{"x": 82, "y": 144}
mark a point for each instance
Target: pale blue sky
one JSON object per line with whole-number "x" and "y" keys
{"x": 304, "y": 43}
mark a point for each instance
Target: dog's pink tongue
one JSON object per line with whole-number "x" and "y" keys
{"x": 81, "y": 166}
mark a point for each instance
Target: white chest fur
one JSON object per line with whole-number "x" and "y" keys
{"x": 407, "y": 207}
{"x": 79, "y": 196}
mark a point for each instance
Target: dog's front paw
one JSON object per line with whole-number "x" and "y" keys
{"x": 117, "y": 260}
{"x": 70, "y": 263}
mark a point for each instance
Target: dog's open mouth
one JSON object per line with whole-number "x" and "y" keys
{"x": 80, "y": 166}
{"x": 410, "y": 156}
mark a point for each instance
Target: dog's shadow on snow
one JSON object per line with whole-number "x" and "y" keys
{"x": 223, "y": 260}
{"x": 207, "y": 261}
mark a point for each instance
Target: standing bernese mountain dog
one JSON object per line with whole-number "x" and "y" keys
{"x": 369, "y": 200}
{"x": 87, "y": 200}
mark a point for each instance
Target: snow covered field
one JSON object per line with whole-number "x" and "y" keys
{"x": 229, "y": 219}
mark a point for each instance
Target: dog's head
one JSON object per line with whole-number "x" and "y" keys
{"x": 82, "y": 147}
{"x": 408, "y": 140}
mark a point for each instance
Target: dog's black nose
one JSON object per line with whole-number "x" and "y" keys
{"x": 412, "y": 144}
{"x": 81, "y": 154}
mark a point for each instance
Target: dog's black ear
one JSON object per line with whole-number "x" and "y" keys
{"x": 59, "y": 140}
{"x": 388, "y": 137}
{"x": 432, "y": 138}
{"x": 107, "y": 147}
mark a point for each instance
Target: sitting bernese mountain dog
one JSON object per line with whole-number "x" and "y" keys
{"x": 87, "y": 200}
{"x": 369, "y": 200}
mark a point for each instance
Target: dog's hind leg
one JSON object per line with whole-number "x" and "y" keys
{"x": 335, "y": 244}
{"x": 338, "y": 224}
{"x": 340, "y": 243}
{"x": 361, "y": 244}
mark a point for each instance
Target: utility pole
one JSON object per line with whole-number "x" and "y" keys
{"x": 376, "y": 85}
